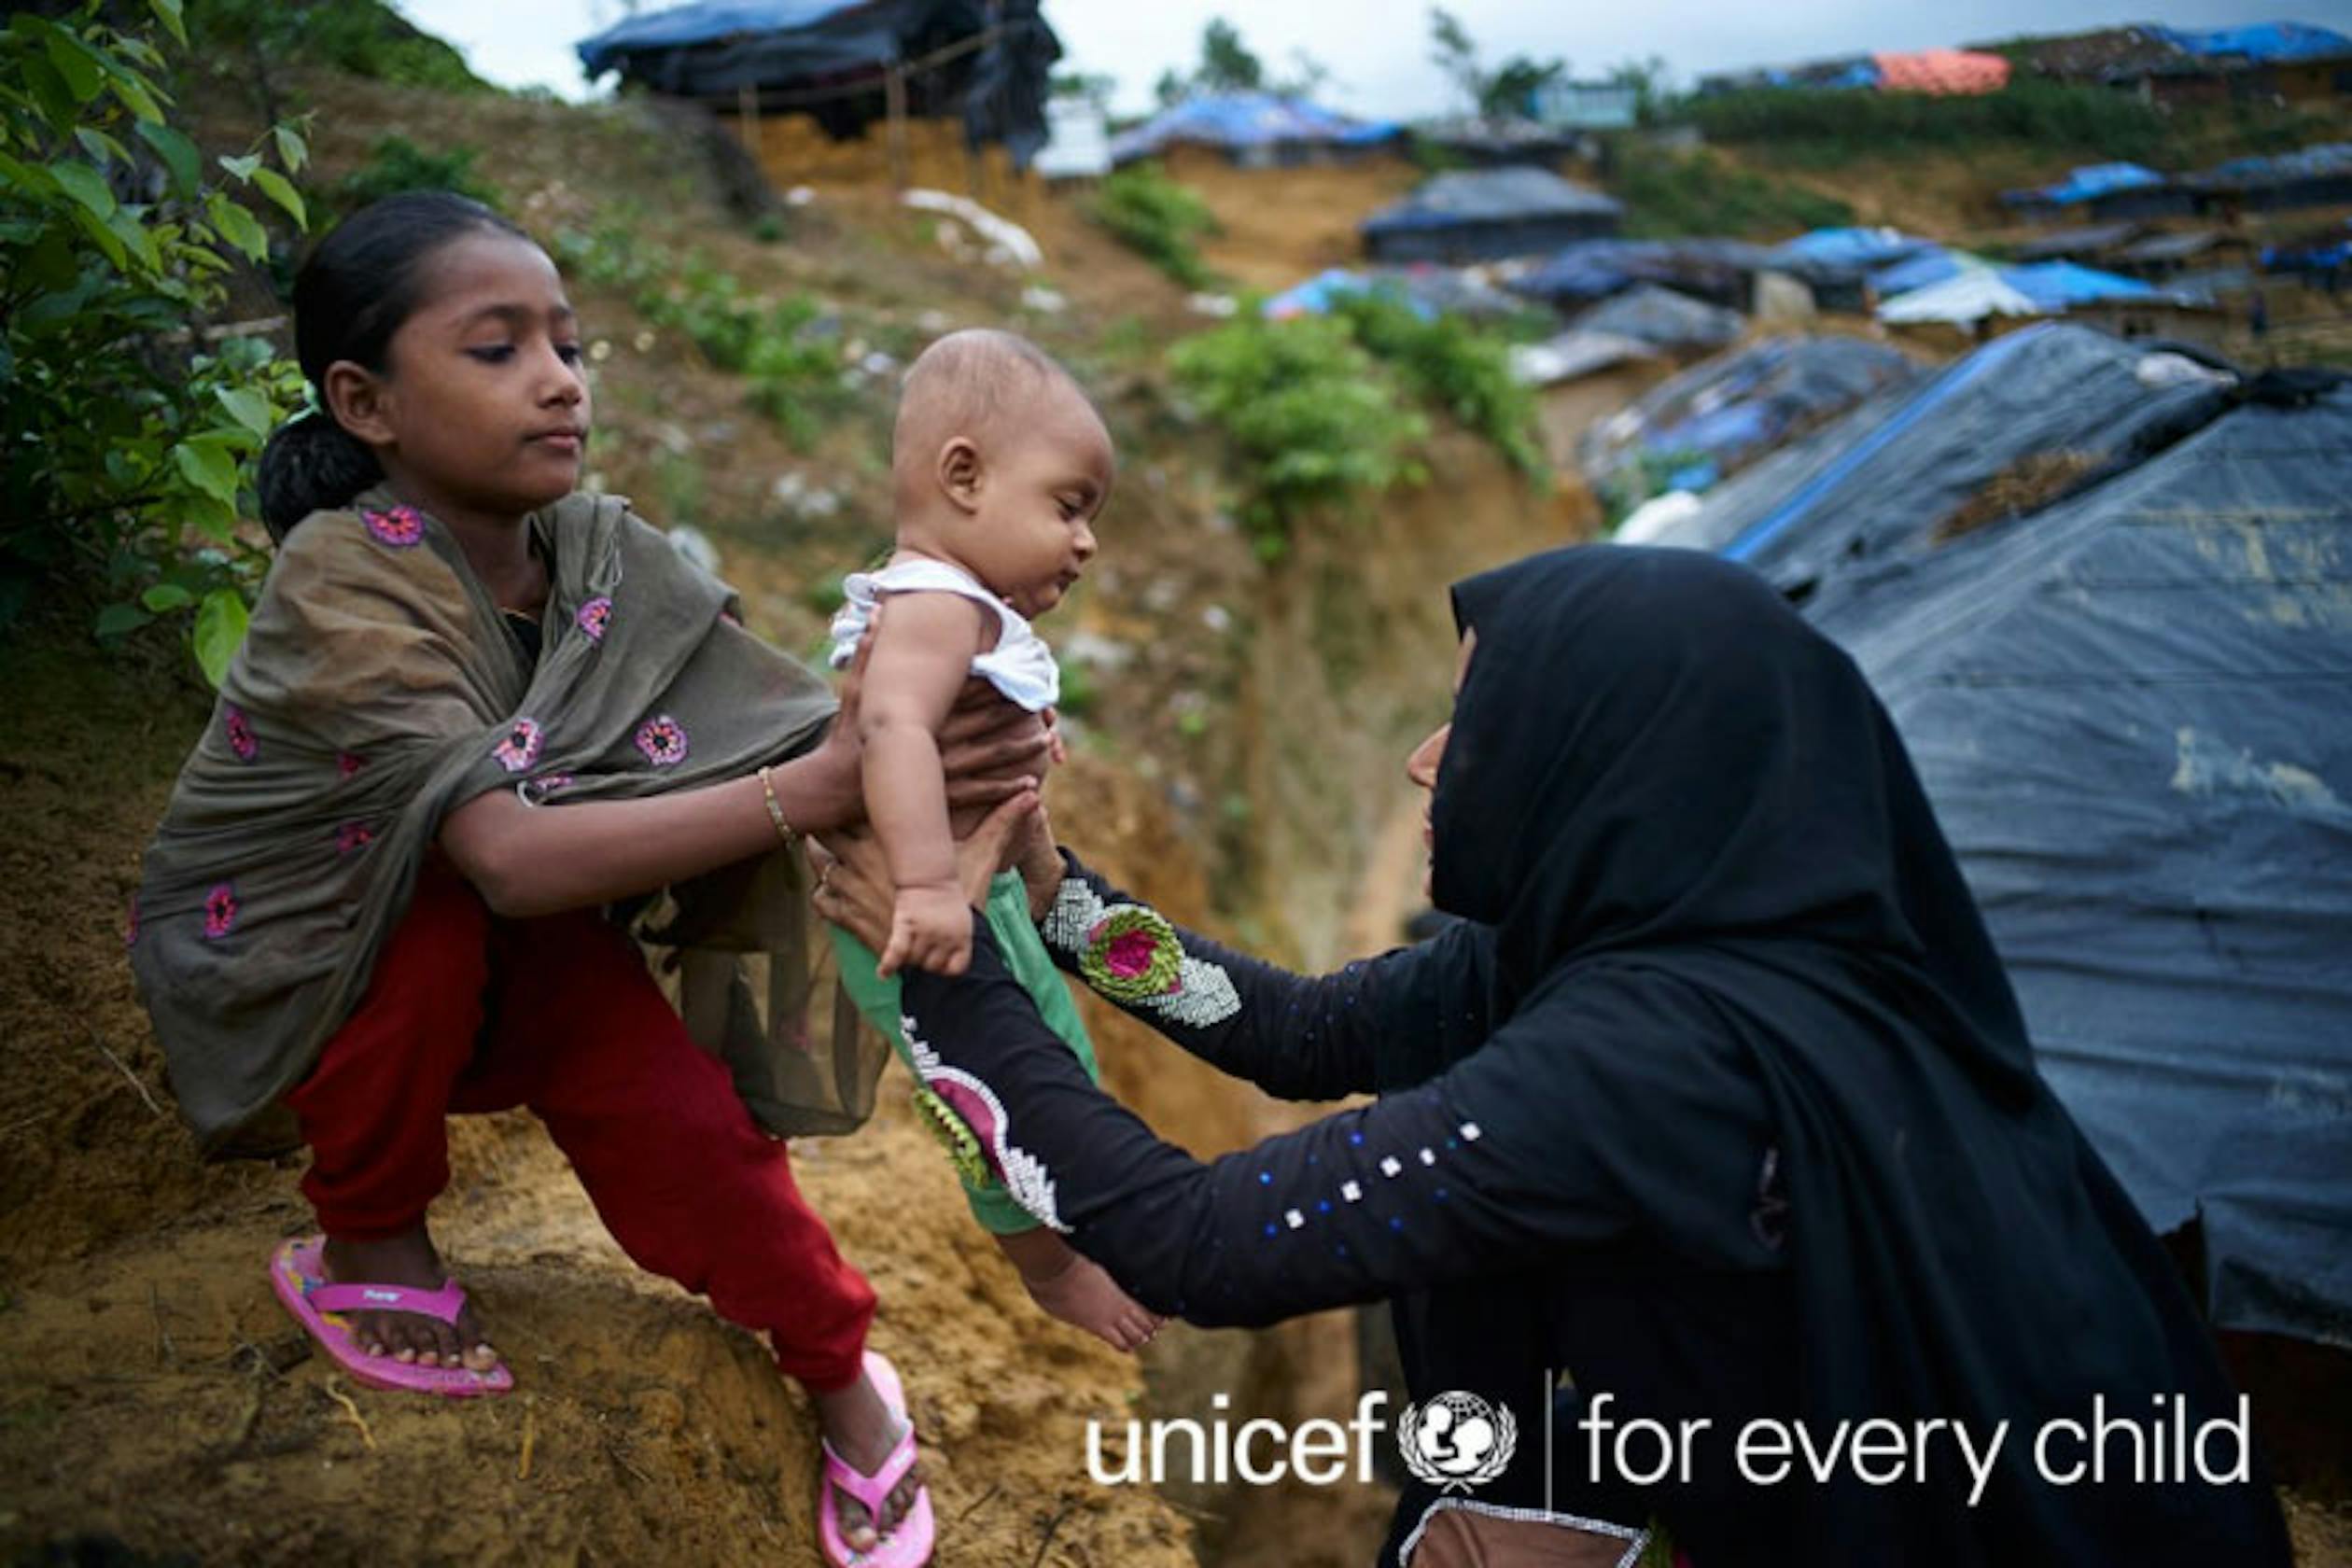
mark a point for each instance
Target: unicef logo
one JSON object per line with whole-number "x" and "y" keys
{"x": 1457, "y": 1440}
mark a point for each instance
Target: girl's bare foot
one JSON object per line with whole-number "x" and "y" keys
{"x": 862, "y": 1431}
{"x": 411, "y": 1262}
{"x": 1078, "y": 1291}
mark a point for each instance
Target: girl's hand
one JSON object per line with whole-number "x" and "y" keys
{"x": 853, "y": 872}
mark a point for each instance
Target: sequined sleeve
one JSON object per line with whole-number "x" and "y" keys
{"x": 1382, "y": 1023}
{"x": 1408, "y": 1192}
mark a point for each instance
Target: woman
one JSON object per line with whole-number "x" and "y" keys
{"x": 1717, "y": 1104}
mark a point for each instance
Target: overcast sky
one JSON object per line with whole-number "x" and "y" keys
{"x": 1377, "y": 51}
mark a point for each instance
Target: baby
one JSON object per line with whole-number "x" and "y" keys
{"x": 1000, "y": 467}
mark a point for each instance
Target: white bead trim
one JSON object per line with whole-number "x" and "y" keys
{"x": 1204, "y": 993}
{"x": 1636, "y": 1539}
{"x": 1025, "y": 1176}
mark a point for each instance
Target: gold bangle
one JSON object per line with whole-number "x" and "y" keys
{"x": 775, "y": 811}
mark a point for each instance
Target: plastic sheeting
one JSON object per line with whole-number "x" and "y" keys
{"x": 2264, "y": 42}
{"x": 1592, "y": 270}
{"x": 722, "y": 48}
{"x": 1877, "y": 483}
{"x": 1429, "y": 291}
{"x": 1487, "y": 214}
{"x": 1242, "y": 121}
{"x": 1718, "y": 417}
{"x": 1943, "y": 71}
{"x": 2133, "y": 710}
{"x": 1660, "y": 316}
{"x": 1965, "y": 298}
{"x": 2090, "y": 182}
{"x": 1854, "y": 249}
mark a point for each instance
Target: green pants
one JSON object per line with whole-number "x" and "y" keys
{"x": 1008, "y": 917}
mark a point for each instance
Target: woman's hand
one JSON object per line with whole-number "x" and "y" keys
{"x": 853, "y": 872}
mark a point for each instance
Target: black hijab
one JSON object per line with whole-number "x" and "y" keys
{"x": 1657, "y": 769}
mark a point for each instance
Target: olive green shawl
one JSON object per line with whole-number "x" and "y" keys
{"x": 377, "y": 692}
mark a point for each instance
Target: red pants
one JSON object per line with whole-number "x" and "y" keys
{"x": 466, "y": 1012}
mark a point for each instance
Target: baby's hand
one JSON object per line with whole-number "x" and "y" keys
{"x": 930, "y": 927}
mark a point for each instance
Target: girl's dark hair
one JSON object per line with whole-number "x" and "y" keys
{"x": 356, "y": 288}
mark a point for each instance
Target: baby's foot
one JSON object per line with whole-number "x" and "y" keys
{"x": 1078, "y": 1291}
{"x": 408, "y": 1260}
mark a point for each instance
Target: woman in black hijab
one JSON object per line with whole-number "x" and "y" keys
{"x": 1716, "y": 1107}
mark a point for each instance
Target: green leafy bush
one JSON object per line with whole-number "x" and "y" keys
{"x": 126, "y": 438}
{"x": 396, "y": 164}
{"x": 1158, "y": 218}
{"x": 1447, "y": 361}
{"x": 794, "y": 368}
{"x": 1310, "y": 410}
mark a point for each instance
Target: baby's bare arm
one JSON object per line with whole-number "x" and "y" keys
{"x": 922, "y": 654}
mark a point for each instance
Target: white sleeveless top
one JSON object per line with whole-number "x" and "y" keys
{"x": 1020, "y": 666}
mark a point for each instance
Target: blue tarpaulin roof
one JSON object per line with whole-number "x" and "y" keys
{"x": 1247, "y": 119}
{"x": 2057, "y": 286}
{"x": 2089, "y": 182}
{"x": 2265, "y": 41}
{"x": 707, "y": 22}
{"x": 1848, "y": 248}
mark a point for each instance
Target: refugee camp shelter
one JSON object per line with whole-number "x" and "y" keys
{"x": 2103, "y": 193}
{"x": 2129, "y": 696}
{"x": 1255, "y": 130}
{"x": 1482, "y": 215}
{"x": 1077, "y": 141}
{"x": 2315, "y": 176}
{"x": 1722, "y": 272}
{"x": 1587, "y": 105}
{"x": 2289, "y": 61}
{"x": 1838, "y": 265}
{"x": 1693, "y": 431}
{"x": 2077, "y": 245}
{"x": 1665, "y": 321}
{"x": 848, "y": 63}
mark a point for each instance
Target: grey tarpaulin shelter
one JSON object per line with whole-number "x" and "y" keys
{"x": 2133, "y": 709}
{"x": 847, "y": 62}
{"x": 1479, "y": 215}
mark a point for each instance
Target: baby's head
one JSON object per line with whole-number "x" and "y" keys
{"x": 1001, "y": 464}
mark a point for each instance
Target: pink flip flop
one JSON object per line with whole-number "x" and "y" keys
{"x": 299, "y": 1276}
{"x": 909, "y": 1546}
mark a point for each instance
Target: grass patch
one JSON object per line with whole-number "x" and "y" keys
{"x": 1158, "y": 219}
{"x": 1832, "y": 128}
{"x": 1668, "y": 195}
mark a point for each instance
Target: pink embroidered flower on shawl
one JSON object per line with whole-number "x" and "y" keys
{"x": 399, "y": 528}
{"x": 520, "y": 746}
{"x": 348, "y": 763}
{"x": 352, "y": 837}
{"x": 220, "y": 911}
{"x": 593, "y": 617}
{"x": 239, "y": 730}
{"x": 662, "y": 739}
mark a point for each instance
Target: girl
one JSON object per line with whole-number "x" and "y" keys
{"x": 363, "y": 907}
